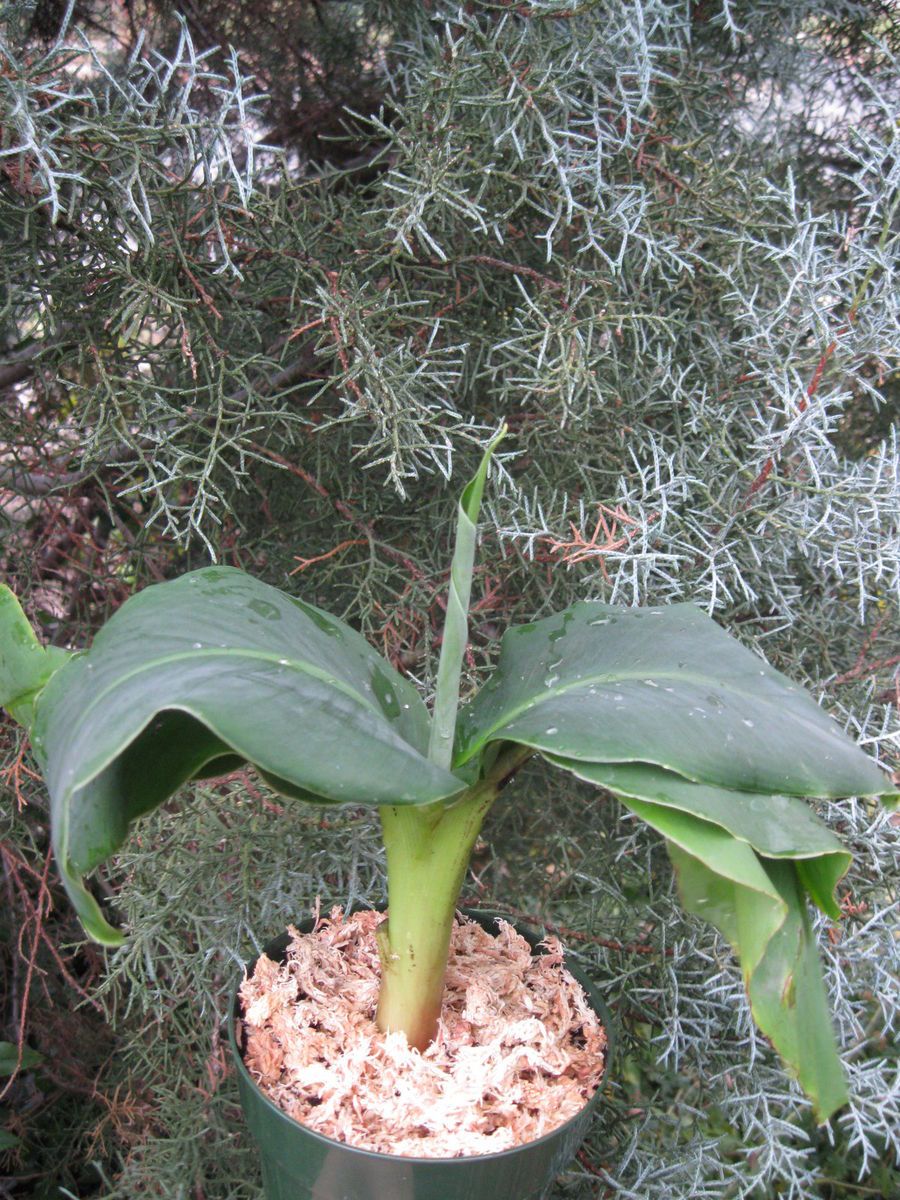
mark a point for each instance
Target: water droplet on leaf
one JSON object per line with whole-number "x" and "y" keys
{"x": 265, "y": 609}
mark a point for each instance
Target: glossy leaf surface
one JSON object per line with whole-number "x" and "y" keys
{"x": 664, "y": 686}
{"x": 196, "y": 676}
{"x": 11, "y": 1059}
{"x": 712, "y": 748}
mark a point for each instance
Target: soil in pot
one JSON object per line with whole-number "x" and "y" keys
{"x": 519, "y": 1050}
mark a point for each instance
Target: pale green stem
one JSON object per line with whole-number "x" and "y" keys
{"x": 428, "y": 850}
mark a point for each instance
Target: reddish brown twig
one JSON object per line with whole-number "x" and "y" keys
{"x": 863, "y": 666}
{"x": 14, "y": 864}
{"x": 401, "y": 633}
{"x": 39, "y": 910}
{"x": 829, "y": 350}
{"x": 802, "y": 406}
{"x": 308, "y": 479}
{"x": 340, "y": 506}
{"x": 487, "y": 260}
{"x": 343, "y": 357}
{"x": 295, "y": 333}
{"x": 303, "y": 563}
{"x": 201, "y": 290}
{"x": 458, "y": 300}
{"x": 589, "y": 1166}
{"x": 581, "y": 548}
{"x": 13, "y": 776}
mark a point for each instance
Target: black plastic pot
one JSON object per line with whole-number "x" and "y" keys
{"x": 300, "y": 1164}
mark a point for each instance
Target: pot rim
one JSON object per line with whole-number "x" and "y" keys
{"x": 596, "y": 1001}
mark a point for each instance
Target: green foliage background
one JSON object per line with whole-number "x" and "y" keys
{"x": 263, "y": 305}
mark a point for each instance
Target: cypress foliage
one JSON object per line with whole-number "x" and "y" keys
{"x": 271, "y": 276}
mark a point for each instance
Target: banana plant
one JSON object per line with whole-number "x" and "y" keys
{"x": 697, "y": 735}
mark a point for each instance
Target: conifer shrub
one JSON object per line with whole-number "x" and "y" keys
{"x": 271, "y": 276}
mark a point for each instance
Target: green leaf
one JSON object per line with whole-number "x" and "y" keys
{"x": 781, "y": 970}
{"x": 711, "y": 747}
{"x": 775, "y": 826}
{"x": 456, "y": 626}
{"x": 8, "y": 1141}
{"x": 664, "y": 686}
{"x": 25, "y": 665}
{"x": 9, "y": 1056}
{"x": 198, "y": 675}
{"x": 732, "y": 852}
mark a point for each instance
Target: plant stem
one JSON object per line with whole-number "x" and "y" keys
{"x": 428, "y": 847}
{"x": 427, "y": 853}
{"x": 428, "y": 850}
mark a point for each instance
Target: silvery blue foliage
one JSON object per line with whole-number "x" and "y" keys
{"x": 662, "y": 240}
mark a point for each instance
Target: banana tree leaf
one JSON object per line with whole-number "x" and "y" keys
{"x": 717, "y": 841}
{"x": 456, "y": 617}
{"x": 775, "y": 826}
{"x": 196, "y": 676}
{"x": 664, "y": 686}
{"x": 9, "y": 1058}
{"x": 25, "y": 665}
{"x": 784, "y": 982}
